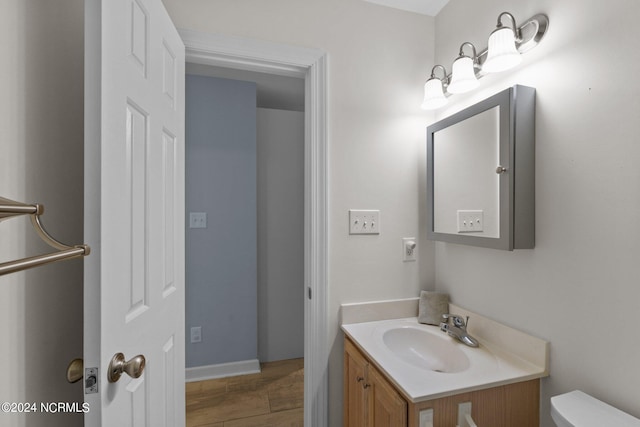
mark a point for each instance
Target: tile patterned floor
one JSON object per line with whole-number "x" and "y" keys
{"x": 272, "y": 398}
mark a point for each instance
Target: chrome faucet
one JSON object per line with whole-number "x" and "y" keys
{"x": 457, "y": 329}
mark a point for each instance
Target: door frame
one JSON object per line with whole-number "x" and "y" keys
{"x": 310, "y": 64}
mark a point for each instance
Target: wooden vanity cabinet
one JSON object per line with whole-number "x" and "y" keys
{"x": 512, "y": 405}
{"x": 371, "y": 400}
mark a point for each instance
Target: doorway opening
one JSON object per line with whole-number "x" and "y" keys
{"x": 245, "y": 268}
{"x": 310, "y": 64}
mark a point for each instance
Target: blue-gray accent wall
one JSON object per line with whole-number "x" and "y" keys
{"x": 221, "y": 260}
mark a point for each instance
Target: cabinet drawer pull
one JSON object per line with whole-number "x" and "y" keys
{"x": 366, "y": 385}
{"x": 359, "y": 379}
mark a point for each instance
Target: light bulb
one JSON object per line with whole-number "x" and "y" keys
{"x": 463, "y": 77}
{"x": 433, "y": 94}
{"x": 502, "y": 53}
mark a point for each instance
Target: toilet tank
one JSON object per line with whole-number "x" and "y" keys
{"x": 578, "y": 409}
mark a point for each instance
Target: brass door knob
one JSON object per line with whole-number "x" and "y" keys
{"x": 75, "y": 371}
{"x": 133, "y": 367}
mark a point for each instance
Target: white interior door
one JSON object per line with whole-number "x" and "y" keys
{"x": 134, "y": 212}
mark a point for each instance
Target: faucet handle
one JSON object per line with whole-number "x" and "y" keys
{"x": 457, "y": 320}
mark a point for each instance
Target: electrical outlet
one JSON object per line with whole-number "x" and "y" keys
{"x": 197, "y": 220}
{"x": 470, "y": 221}
{"x": 364, "y": 221}
{"x": 409, "y": 249}
{"x": 196, "y": 334}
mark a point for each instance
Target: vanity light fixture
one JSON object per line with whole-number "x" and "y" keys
{"x": 434, "y": 90}
{"x": 505, "y": 46}
{"x": 463, "y": 72}
{"x": 502, "y": 53}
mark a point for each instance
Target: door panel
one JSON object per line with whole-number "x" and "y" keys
{"x": 134, "y": 210}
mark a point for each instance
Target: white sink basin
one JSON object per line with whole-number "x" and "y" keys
{"x": 425, "y": 363}
{"x": 425, "y": 350}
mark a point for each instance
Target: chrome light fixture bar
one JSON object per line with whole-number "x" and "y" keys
{"x": 505, "y": 45}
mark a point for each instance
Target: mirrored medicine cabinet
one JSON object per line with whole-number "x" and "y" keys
{"x": 480, "y": 173}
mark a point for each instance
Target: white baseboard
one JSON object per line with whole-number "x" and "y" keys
{"x": 221, "y": 370}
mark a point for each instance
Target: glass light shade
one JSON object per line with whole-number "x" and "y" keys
{"x": 463, "y": 77}
{"x": 502, "y": 53}
{"x": 433, "y": 94}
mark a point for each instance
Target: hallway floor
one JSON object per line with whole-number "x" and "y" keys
{"x": 272, "y": 398}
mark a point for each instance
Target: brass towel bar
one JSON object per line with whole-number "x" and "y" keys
{"x": 9, "y": 209}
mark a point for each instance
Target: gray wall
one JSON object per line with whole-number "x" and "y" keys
{"x": 579, "y": 287}
{"x": 221, "y": 262}
{"x": 41, "y": 158}
{"x": 280, "y": 234}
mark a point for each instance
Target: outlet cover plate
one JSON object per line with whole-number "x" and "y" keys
{"x": 196, "y": 334}
{"x": 197, "y": 220}
{"x": 409, "y": 249}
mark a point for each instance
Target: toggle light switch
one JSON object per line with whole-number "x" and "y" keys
{"x": 364, "y": 221}
{"x": 470, "y": 221}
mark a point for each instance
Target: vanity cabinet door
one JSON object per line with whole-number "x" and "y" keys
{"x": 386, "y": 407}
{"x": 369, "y": 399}
{"x": 355, "y": 372}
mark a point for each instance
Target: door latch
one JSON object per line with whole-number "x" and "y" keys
{"x": 90, "y": 380}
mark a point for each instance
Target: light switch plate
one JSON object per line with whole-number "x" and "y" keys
{"x": 364, "y": 221}
{"x": 470, "y": 221}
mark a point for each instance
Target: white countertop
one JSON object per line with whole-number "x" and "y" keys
{"x": 490, "y": 364}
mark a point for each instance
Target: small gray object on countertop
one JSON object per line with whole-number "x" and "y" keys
{"x": 432, "y": 306}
